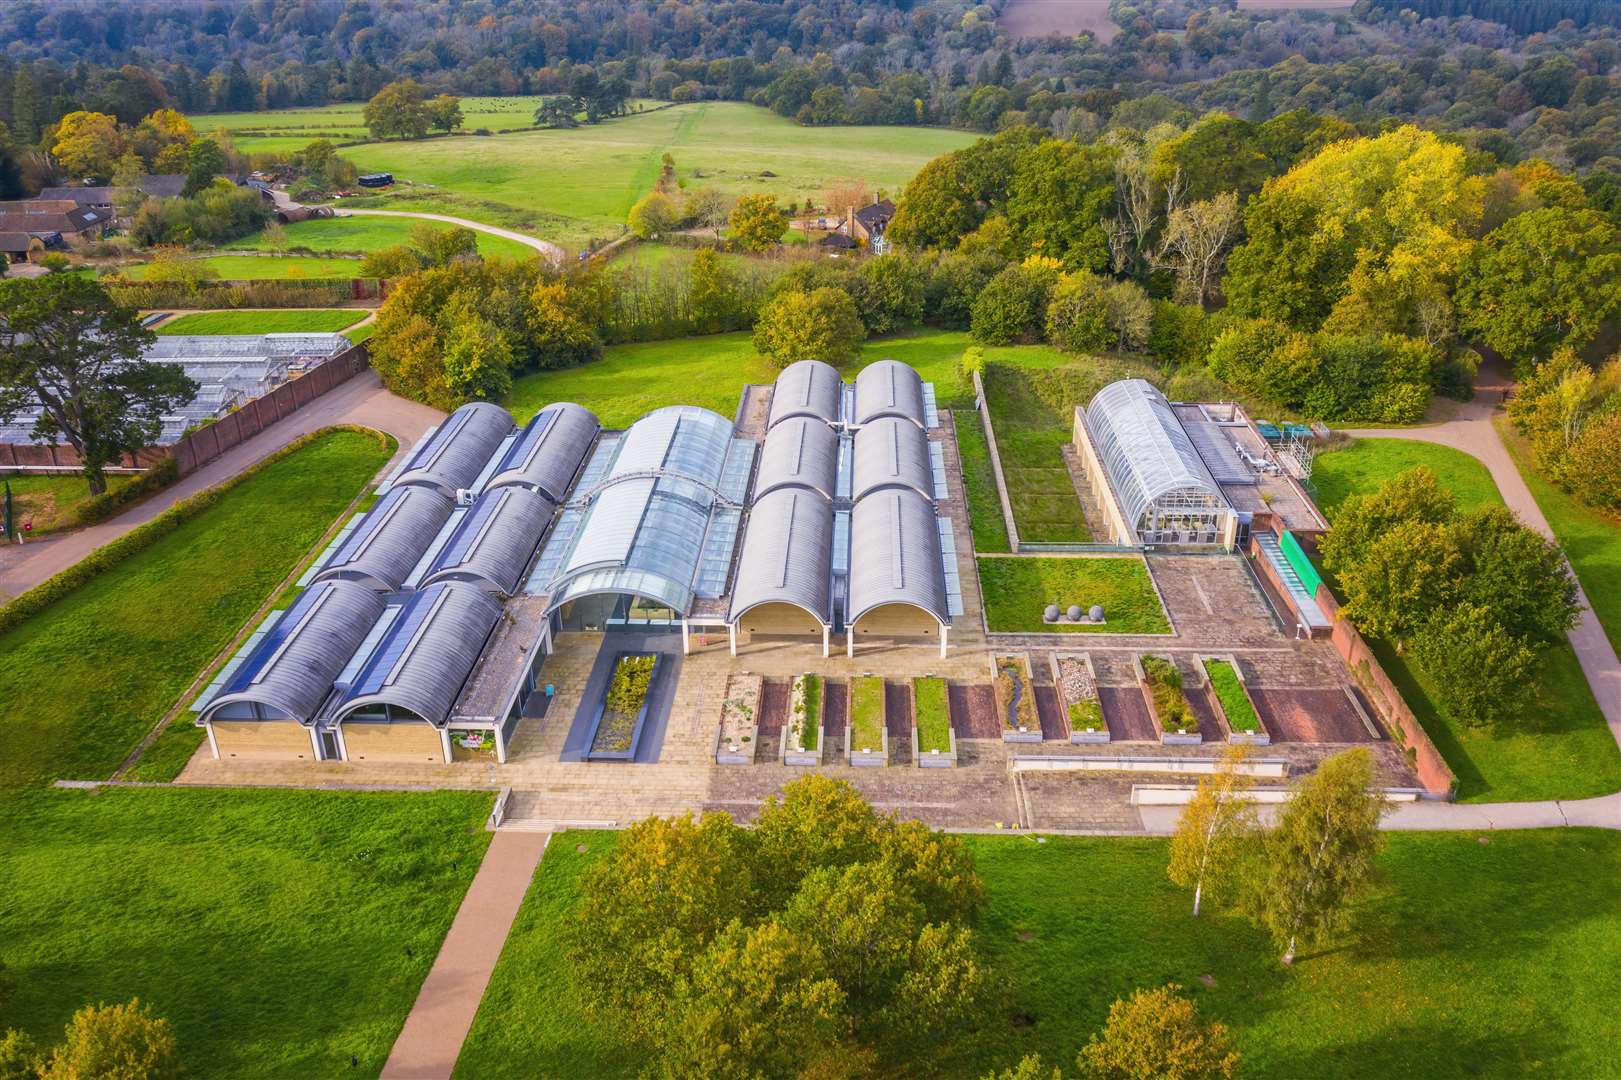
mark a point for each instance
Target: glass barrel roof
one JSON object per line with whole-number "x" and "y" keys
{"x": 1145, "y": 451}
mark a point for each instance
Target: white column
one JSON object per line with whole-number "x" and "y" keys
{"x": 731, "y": 636}
{"x": 943, "y": 630}
{"x": 826, "y": 632}
{"x": 444, "y": 741}
{"x": 213, "y": 744}
{"x": 315, "y": 743}
{"x": 343, "y": 744}
{"x": 850, "y": 641}
{"x": 686, "y": 643}
{"x": 500, "y": 745}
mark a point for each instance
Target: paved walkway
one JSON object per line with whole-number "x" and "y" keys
{"x": 445, "y": 1007}
{"x": 1472, "y": 431}
{"x": 362, "y": 400}
{"x": 1426, "y": 815}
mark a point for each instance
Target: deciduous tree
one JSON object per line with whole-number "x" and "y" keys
{"x": 478, "y": 361}
{"x": 1215, "y": 828}
{"x": 398, "y": 111}
{"x": 118, "y": 1042}
{"x": 444, "y": 112}
{"x": 88, "y": 143}
{"x": 1194, "y": 245}
{"x": 818, "y": 325}
{"x": 758, "y": 222}
{"x": 654, "y": 214}
{"x": 204, "y": 161}
{"x": 1483, "y": 673}
{"x": 1156, "y": 1035}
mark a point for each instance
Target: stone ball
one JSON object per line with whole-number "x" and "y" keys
{"x": 1074, "y": 613}
{"x": 1051, "y": 614}
{"x": 1096, "y": 614}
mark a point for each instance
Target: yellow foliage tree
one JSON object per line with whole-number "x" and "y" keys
{"x": 88, "y": 143}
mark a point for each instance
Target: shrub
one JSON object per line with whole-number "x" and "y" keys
{"x": 818, "y": 325}
{"x": 888, "y": 292}
{"x": 1078, "y": 314}
{"x": 955, "y": 281}
{"x": 1011, "y": 307}
{"x": 1165, "y": 686}
{"x": 103, "y": 506}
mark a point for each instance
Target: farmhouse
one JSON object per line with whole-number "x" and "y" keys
{"x": 31, "y": 226}
{"x": 434, "y": 611}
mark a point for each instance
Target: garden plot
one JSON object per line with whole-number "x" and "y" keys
{"x": 1231, "y": 699}
{"x": 1078, "y": 695}
{"x": 1016, "y": 698}
{"x": 1168, "y": 701}
{"x": 866, "y": 736}
{"x": 934, "y": 743}
{"x": 739, "y": 721}
{"x": 802, "y": 742}
{"x": 623, "y": 713}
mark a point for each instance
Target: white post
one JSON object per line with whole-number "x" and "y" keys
{"x": 850, "y": 642}
{"x": 315, "y": 743}
{"x": 500, "y": 746}
{"x": 731, "y": 636}
{"x": 686, "y": 644}
{"x": 826, "y": 632}
{"x": 943, "y": 629}
{"x": 343, "y": 744}
{"x": 444, "y": 741}
{"x": 213, "y": 744}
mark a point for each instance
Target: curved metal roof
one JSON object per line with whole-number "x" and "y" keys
{"x": 548, "y": 453}
{"x": 456, "y": 453}
{"x": 425, "y": 657}
{"x": 494, "y": 540}
{"x": 787, "y": 554}
{"x": 895, "y": 555}
{"x": 799, "y": 452}
{"x": 382, "y": 550}
{"x": 1144, "y": 449}
{"x": 892, "y": 453}
{"x": 291, "y": 670}
{"x": 889, "y": 388}
{"x": 806, "y": 388}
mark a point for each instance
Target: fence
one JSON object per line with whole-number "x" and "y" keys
{"x": 206, "y": 444}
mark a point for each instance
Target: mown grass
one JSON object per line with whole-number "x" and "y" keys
{"x": 810, "y": 731}
{"x": 263, "y": 267}
{"x": 52, "y": 503}
{"x": 1561, "y": 748}
{"x": 1018, "y": 589}
{"x": 866, "y": 713}
{"x": 86, "y": 678}
{"x": 979, "y": 484}
{"x": 931, "y": 714}
{"x": 1235, "y": 704}
{"x": 1481, "y": 955}
{"x": 283, "y": 130}
{"x": 289, "y": 321}
{"x": 282, "y": 933}
{"x": 348, "y": 235}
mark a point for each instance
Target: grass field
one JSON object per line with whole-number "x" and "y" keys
{"x": 264, "y": 267}
{"x": 91, "y": 674}
{"x": 52, "y": 503}
{"x": 580, "y": 183}
{"x": 1562, "y": 748}
{"x": 280, "y": 932}
{"x": 1491, "y": 955}
{"x": 1018, "y": 589}
{"x": 979, "y": 484}
{"x": 283, "y": 130}
{"x": 349, "y": 235}
{"x": 290, "y": 321}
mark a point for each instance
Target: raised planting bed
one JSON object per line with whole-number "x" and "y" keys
{"x": 1162, "y": 688}
{"x": 1016, "y": 699}
{"x": 866, "y": 741}
{"x": 739, "y": 721}
{"x": 802, "y": 734}
{"x": 1078, "y": 693}
{"x": 623, "y": 711}
{"x": 934, "y": 744}
{"x": 1233, "y": 701}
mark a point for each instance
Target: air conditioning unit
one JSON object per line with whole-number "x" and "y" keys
{"x": 464, "y": 496}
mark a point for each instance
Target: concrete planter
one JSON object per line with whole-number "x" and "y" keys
{"x": 1007, "y": 709}
{"x": 1091, "y": 735}
{"x": 795, "y": 755}
{"x": 628, "y": 754}
{"x": 866, "y": 759}
{"x": 1166, "y": 738}
{"x": 741, "y": 754}
{"x": 739, "y": 732}
{"x": 1259, "y": 737}
{"x": 935, "y": 759}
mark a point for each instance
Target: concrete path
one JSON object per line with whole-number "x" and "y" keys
{"x": 1472, "y": 431}
{"x": 1426, "y": 815}
{"x": 545, "y": 247}
{"x": 443, "y": 1014}
{"x": 362, "y": 400}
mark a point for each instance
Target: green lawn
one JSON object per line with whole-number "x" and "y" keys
{"x": 52, "y": 503}
{"x": 282, "y": 130}
{"x": 1489, "y": 955}
{"x": 931, "y": 714}
{"x": 1591, "y": 538}
{"x": 361, "y": 333}
{"x": 979, "y": 484}
{"x": 91, "y": 674}
{"x": 866, "y": 713}
{"x": 1230, "y": 692}
{"x": 348, "y": 235}
{"x": 1562, "y": 749}
{"x": 581, "y": 182}
{"x": 264, "y": 267}
{"x": 290, "y": 321}
{"x": 1018, "y": 589}
{"x": 280, "y": 932}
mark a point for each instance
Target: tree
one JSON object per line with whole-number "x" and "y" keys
{"x": 561, "y": 335}
{"x": 1517, "y": 575}
{"x": 843, "y": 196}
{"x": 1215, "y": 828}
{"x": 654, "y": 214}
{"x": 478, "y": 361}
{"x": 819, "y": 325}
{"x": 445, "y": 113}
{"x": 558, "y": 111}
{"x": 394, "y": 261}
{"x": 713, "y": 295}
{"x": 758, "y": 222}
{"x": 1078, "y": 313}
{"x": 1194, "y": 245}
{"x": 1595, "y": 463}
{"x": 204, "y": 161}
{"x": 1407, "y": 574}
{"x": 1011, "y": 306}
{"x": 707, "y": 208}
{"x": 1028, "y": 1068}
{"x": 397, "y": 111}
{"x": 88, "y": 144}
{"x": 1156, "y": 1035}
{"x": 25, "y": 107}
{"x": 1131, "y": 315}
{"x": 1542, "y": 280}
{"x": 888, "y": 292}
{"x": 439, "y": 246}
{"x": 1319, "y": 856}
{"x": 66, "y": 345}
{"x": 115, "y": 1042}
{"x": 1057, "y": 198}
{"x": 19, "y": 1056}
{"x": 1411, "y": 495}
{"x": 1483, "y": 673}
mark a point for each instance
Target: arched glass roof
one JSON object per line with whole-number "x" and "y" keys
{"x": 384, "y": 547}
{"x": 806, "y": 388}
{"x": 799, "y": 452}
{"x": 494, "y": 540}
{"x": 1145, "y": 451}
{"x": 787, "y": 554}
{"x": 549, "y": 451}
{"x": 892, "y": 453}
{"x": 456, "y": 453}
{"x": 889, "y": 388}
{"x": 895, "y": 555}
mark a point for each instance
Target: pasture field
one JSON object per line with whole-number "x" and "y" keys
{"x": 288, "y": 321}
{"x": 1561, "y": 748}
{"x": 580, "y": 183}
{"x": 352, "y": 235}
{"x": 1477, "y": 955}
{"x": 284, "y": 130}
{"x": 264, "y": 267}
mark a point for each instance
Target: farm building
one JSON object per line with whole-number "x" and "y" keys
{"x": 490, "y": 540}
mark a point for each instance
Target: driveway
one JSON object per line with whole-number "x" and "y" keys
{"x": 552, "y": 252}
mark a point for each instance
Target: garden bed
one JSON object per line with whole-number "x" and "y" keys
{"x": 1016, "y": 699}
{"x": 934, "y": 744}
{"x": 802, "y": 734}
{"x": 1233, "y": 701}
{"x": 1173, "y": 714}
{"x": 739, "y": 721}
{"x": 623, "y": 712}
{"x": 1078, "y": 695}
{"x": 866, "y": 738}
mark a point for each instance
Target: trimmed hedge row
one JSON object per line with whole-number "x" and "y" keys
{"x": 109, "y": 555}
{"x": 101, "y": 507}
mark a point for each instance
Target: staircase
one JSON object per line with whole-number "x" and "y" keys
{"x": 1302, "y": 600}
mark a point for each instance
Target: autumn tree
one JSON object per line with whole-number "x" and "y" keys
{"x": 478, "y": 360}
{"x": 122, "y": 1041}
{"x": 204, "y": 161}
{"x": 1414, "y": 494}
{"x": 1057, "y": 198}
{"x": 1406, "y": 574}
{"x": 561, "y": 335}
{"x": 654, "y": 214}
{"x": 713, "y": 294}
{"x": 1215, "y": 828}
{"x": 437, "y": 245}
{"x": 758, "y": 222}
{"x": 68, "y": 347}
{"x": 818, "y": 325}
{"x": 88, "y": 143}
{"x": 1483, "y": 673}
{"x": 842, "y": 196}
{"x": 1012, "y": 305}
{"x": 1078, "y": 314}
{"x": 1317, "y": 860}
{"x": 1194, "y": 245}
{"x": 398, "y": 111}
{"x": 1156, "y": 1035}
{"x": 707, "y": 208}
{"x": 444, "y": 113}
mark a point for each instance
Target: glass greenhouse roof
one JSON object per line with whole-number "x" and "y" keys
{"x": 1145, "y": 451}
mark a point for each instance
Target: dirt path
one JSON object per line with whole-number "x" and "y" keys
{"x": 1472, "y": 431}
{"x": 545, "y": 247}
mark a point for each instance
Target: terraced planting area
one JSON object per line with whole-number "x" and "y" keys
{"x": 1018, "y": 588}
